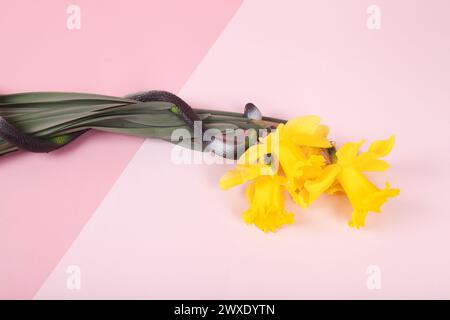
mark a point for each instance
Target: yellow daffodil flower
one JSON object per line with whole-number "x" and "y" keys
{"x": 363, "y": 194}
{"x": 298, "y": 147}
{"x": 265, "y": 195}
{"x": 294, "y": 155}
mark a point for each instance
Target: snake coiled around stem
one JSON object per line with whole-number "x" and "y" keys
{"x": 36, "y": 144}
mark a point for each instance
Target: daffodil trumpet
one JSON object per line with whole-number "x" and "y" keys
{"x": 274, "y": 157}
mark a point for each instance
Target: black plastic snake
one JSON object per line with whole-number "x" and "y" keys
{"x": 31, "y": 143}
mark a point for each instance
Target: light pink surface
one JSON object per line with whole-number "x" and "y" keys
{"x": 122, "y": 47}
{"x": 167, "y": 231}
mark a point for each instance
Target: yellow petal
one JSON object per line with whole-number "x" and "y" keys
{"x": 368, "y": 161}
{"x": 379, "y": 198}
{"x": 289, "y": 157}
{"x": 299, "y": 168}
{"x": 382, "y": 147}
{"x": 306, "y": 131}
{"x": 243, "y": 173}
{"x": 305, "y": 124}
{"x": 348, "y": 152}
{"x": 335, "y": 188}
{"x": 358, "y": 218}
{"x": 319, "y": 185}
{"x": 322, "y": 131}
{"x": 299, "y": 196}
{"x": 311, "y": 168}
{"x": 302, "y": 139}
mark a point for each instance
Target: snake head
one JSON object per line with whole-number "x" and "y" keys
{"x": 252, "y": 112}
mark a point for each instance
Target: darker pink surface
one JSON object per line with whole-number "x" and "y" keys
{"x": 122, "y": 47}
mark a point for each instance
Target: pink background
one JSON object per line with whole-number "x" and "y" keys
{"x": 139, "y": 226}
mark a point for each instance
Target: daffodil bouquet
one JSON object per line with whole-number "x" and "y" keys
{"x": 273, "y": 156}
